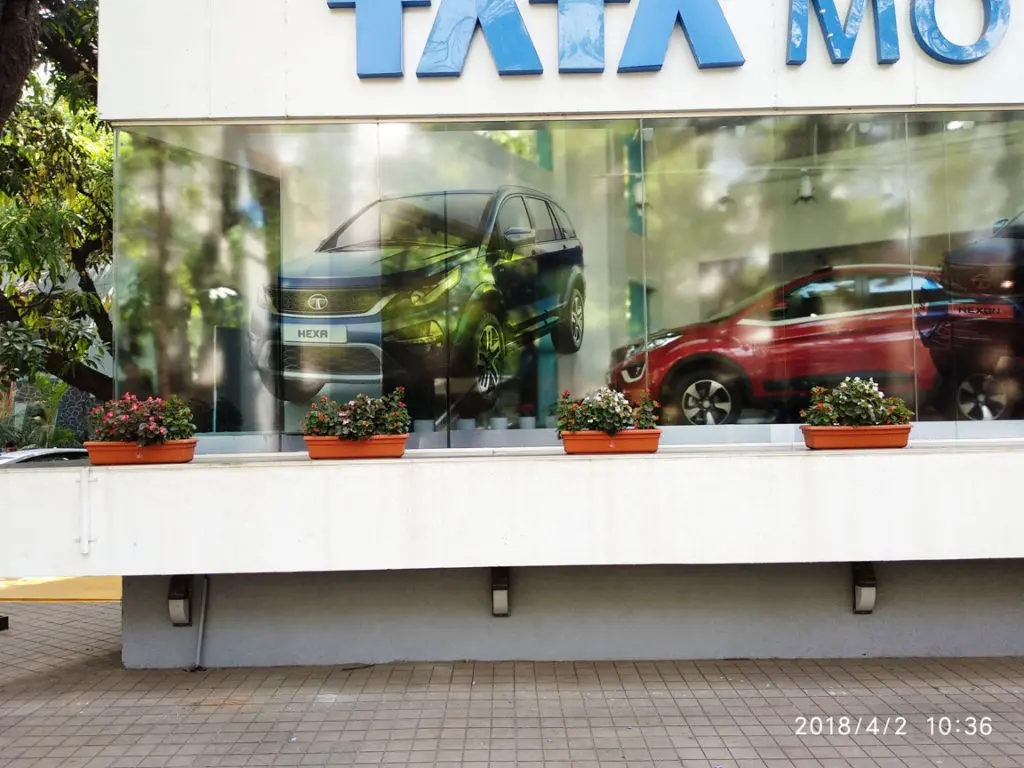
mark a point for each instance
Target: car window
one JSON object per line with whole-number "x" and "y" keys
{"x": 822, "y": 297}
{"x": 901, "y": 290}
{"x": 563, "y": 222}
{"x": 543, "y": 224}
{"x": 452, "y": 220}
{"x": 512, "y": 216}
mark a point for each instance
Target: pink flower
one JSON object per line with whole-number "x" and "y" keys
{"x": 163, "y": 430}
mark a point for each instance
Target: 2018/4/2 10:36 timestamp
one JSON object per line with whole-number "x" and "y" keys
{"x": 968, "y": 725}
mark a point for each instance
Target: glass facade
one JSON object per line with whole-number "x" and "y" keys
{"x": 727, "y": 264}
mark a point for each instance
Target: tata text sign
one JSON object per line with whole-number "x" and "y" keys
{"x": 581, "y": 46}
{"x": 434, "y": 59}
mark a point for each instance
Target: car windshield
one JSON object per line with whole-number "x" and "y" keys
{"x": 1013, "y": 228}
{"x": 445, "y": 220}
{"x": 743, "y": 304}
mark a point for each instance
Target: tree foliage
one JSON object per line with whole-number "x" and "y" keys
{"x": 56, "y": 209}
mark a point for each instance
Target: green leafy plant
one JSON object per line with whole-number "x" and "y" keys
{"x": 152, "y": 421}
{"x": 604, "y": 410}
{"x": 358, "y": 419}
{"x": 856, "y": 402}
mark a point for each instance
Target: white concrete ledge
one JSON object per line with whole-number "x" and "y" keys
{"x": 518, "y": 507}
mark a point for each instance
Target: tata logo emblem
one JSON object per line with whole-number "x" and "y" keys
{"x": 317, "y": 302}
{"x": 981, "y": 282}
{"x": 581, "y": 34}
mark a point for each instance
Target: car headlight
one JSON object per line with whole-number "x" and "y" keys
{"x": 653, "y": 343}
{"x": 661, "y": 340}
{"x": 432, "y": 293}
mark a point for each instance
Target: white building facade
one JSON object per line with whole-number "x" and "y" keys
{"x": 490, "y": 202}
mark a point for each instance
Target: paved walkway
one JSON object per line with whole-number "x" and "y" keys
{"x": 65, "y": 702}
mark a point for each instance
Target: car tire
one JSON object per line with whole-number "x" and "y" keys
{"x": 707, "y": 396}
{"x": 485, "y": 363}
{"x": 567, "y": 335}
{"x": 291, "y": 391}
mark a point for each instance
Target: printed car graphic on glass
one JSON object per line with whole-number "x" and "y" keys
{"x": 420, "y": 287}
{"x": 975, "y": 338}
{"x": 769, "y": 350}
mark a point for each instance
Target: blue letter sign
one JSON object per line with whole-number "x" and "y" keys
{"x": 504, "y": 30}
{"x": 580, "y": 34}
{"x": 710, "y": 37}
{"x": 839, "y": 37}
{"x": 378, "y": 34}
{"x": 938, "y": 46}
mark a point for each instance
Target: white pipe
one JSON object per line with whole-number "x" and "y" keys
{"x": 202, "y": 622}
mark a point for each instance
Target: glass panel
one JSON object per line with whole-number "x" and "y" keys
{"x": 228, "y": 292}
{"x": 537, "y": 304}
{"x": 967, "y": 196}
{"x": 764, "y": 237}
{"x": 708, "y": 202}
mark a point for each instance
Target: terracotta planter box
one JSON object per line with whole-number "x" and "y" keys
{"x": 112, "y": 454}
{"x": 838, "y": 438}
{"x": 378, "y": 447}
{"x": 630, "y": 441}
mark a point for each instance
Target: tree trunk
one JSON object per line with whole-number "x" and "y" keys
{"x": 19, "y": 46}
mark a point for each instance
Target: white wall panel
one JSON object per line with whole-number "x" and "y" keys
{"x": 197, "y": 59}
{"x": 526, "y": 507}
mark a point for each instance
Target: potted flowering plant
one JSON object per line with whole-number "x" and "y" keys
{"x": 856, "y": 414}
{"x": 606, "y": 421}
{"x": 363, "y": 428}
{"x": 134, "y": 431}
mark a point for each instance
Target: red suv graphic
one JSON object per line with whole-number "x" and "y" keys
{"x": 769, "y": 350}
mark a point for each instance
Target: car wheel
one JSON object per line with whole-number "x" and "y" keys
{"x": 291, "y": 391}
{"x": 568, "y": 334}
{"x": 486, "y": 365}
{"x": 705, "y": 397}
{"x": 983, "y": 397}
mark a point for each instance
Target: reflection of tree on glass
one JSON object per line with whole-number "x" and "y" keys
{"x": 424, "y": 287}
{"x": 191, "y": 228}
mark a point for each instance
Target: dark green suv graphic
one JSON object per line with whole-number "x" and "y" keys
{"x": 427, "y": 286}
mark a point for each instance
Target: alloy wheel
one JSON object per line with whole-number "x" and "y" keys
{"x": 981, "y": 397}
{"x": 489, "y": 357}
{"x": 707, "y": 401}
{"x": 576, "y": 319}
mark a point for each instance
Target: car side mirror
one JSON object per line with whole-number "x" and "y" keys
{"x": 999, "y": 225}
{"x": 520, "y": 236}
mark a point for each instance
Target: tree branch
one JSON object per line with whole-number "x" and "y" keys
{"x": 80, "y": 258}
{"x": 77, "y": 375}
{"x": 71, "y": 60}
{"x": 81, "y": 377}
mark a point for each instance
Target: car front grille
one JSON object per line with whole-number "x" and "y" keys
{"x": 330, "y": 358}
{"x": 332, "y": 301}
